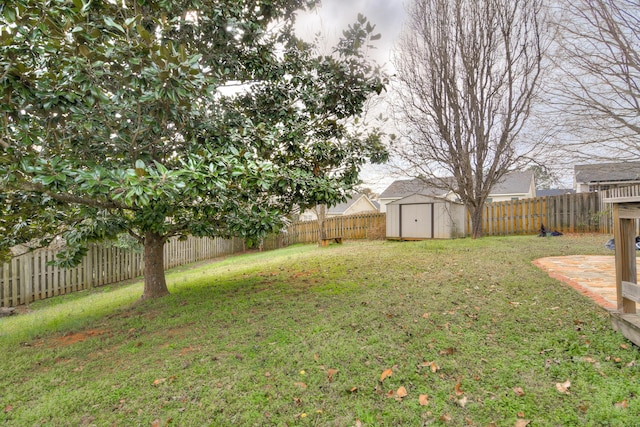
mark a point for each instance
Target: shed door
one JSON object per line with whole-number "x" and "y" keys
{"x": 416, "y": 221}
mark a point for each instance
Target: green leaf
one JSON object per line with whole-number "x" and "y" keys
{"x": 109, "y": 22}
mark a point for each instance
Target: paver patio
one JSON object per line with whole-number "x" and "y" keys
{"x": 592, "y": 275}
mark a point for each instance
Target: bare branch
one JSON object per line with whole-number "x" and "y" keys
{"x": 598, "y": 96}
{"x": 469, "y": 72}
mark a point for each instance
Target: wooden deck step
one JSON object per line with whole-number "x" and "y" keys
{"x": 627, "y": 324}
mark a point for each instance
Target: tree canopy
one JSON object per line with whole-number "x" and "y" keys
{"x": 169, "y": 118}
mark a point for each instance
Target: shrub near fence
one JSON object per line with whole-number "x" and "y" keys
{"x": 29, "y": 277}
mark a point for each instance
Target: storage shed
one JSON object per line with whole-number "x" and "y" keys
{"x": 419, "y": 217}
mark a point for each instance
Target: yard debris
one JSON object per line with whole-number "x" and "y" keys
{"x": 7, "y": 311}
{"x": 611, "y": 244}
{"x": 386, "y": 373}
{"x": 545, "y": 233}
{"x": 564, "y": 387}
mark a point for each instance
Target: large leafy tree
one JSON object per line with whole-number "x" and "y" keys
{"x": 166, "y": 118}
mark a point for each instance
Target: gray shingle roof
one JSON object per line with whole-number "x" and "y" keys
{"x": 608, "y": 172}
{"x": 407, "y": 187}
{"x": 512, "y": 183}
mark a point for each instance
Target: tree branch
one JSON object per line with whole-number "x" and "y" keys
{"x": 69, "y": 198}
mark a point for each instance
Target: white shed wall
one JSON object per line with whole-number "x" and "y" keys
{"x": 448, "y": 218}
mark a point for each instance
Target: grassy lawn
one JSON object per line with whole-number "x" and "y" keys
{"x": 454, "y": 333}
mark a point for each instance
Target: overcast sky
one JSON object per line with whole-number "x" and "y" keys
{"x": 333, "y": 16}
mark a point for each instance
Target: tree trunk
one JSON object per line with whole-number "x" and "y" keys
{"x": 321, "y": 213}
{"x": 155, "y": 285}
{"x": 476, "y": 214}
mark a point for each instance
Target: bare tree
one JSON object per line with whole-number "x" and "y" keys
{"x": 468, "y": 73}
{"x": 598, "y": 94}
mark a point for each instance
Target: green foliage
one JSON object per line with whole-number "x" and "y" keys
{"x": 172, "y": 118}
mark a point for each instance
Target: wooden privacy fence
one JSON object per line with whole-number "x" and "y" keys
{"x": 567, "y": 213}
{"x": 360, "y": 226}
{"x": 29, "y": 277}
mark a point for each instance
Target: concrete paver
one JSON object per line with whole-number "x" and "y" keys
{"x": 592, "y": 275}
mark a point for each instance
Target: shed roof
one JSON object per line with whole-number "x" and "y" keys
{"x": 407, "y": 187}
{"x": 608, "y": 172}
{"x": 422, "y": 198}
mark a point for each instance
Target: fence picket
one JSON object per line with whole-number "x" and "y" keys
{"x": 29, "y": 277}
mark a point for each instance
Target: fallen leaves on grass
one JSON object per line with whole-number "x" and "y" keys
{"x": 385, "y": 374}
{"x": 522, "y": 423}
{"x": 448, "y": 351}
{"x": 331, "y": 373}
{"x": 621, "y": 405}
{"x": 458, "y": 389}
{"x": 159, "y": 381}
{"x": 431, "y": 365}
{"x": 402, "y": 392}
{"x": 398, "y": 394}
{"x": 518, "y": 391}
{"x": 423, "y": 399}
{"x": 462, "y": 402}
{"x": 8, "y": 408}
{"x": 300, "y": 384}
{"x": 563, "y": 387}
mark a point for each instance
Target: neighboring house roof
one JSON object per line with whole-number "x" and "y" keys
{"x": 511, "y": 183}
{"x": 554, "y": 192}
{"x": 341, "y": 208}
{"x": 608, "y": 172}
{"x": 514, "y": 183}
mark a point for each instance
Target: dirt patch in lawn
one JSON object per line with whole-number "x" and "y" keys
{"x": 75, "y": 337}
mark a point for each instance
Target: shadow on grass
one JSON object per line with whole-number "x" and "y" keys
{"x": 215, "y": 279}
